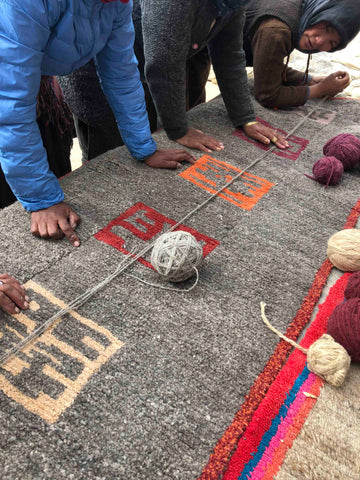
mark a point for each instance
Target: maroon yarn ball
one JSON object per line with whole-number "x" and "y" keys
{"x": 327, "y": 170}
{"x": 344, "y": 326}
{"x": 346, "y": 148}
{"x": 352, "y": 289}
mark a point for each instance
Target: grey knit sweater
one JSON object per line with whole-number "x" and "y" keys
{"x": 171, "y": 31}
{"x": 167, "y": 32}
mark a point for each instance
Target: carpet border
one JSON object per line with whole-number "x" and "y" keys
{"x": 225, "y": 447}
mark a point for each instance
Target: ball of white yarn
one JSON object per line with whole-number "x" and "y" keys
{"x": 329, "y": 360}
{"x": 344, "y": 250}
{"x": 176, "y": 255}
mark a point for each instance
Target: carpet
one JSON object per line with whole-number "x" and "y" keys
{"x": 141, "y": 382}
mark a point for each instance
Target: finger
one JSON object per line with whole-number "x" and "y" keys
{"x": 261, "y": 138}
{"x": 202, "y": 147}
{"x": 34, "y": 229}
{"x": 282, "y": 142}
{"x": 74, "y": 219}
{"x": 69, "y": 232}
{"x": 171, "y": 164}
{"x": 183, "y": 155}
{"x": 5, "y": 278}
{"x": 43, "y": 230}
{"x": 214, "y": 144}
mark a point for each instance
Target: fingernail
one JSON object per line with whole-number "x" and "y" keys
{"x": 76, "y": 244}
{"x": 27, "y": 298}
{"x": 26, "y": 304}
{"x": 17, "y": 310}
{"x": 218, "y": 149}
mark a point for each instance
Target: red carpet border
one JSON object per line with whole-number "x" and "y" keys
{"x": 255, "y": 444}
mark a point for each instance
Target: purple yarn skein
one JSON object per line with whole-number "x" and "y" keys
{"x": 327, "y": 170}
{"x": 346, "y": 148}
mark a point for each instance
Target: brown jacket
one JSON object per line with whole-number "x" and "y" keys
{"x": 275, "y": 85}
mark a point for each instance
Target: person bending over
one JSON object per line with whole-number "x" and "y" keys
{"x": 273, "y": 29}
{"x": 169, "y": 35}
{"x": 66, "y": 34}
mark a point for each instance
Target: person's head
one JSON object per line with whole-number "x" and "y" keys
{"x": 328, "y": 25}
{"x": 321, "y": 37}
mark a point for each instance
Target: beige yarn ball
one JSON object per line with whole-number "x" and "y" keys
{"x": 176, "y": 255}
{"x": 344, "y": 250}
{"x": 329, "y": 360}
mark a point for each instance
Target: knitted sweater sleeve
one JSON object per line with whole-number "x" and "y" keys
{"x": 228, "y": 59}
{"x": 271, "y": 44}
{"x": 167, "y": 35}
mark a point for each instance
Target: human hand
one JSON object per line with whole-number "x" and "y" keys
{"x": 197, "y": 139}
{"x": 265, "y": 135}
{"x": 12, "y": 295}
{"x": 169, "y": 158}
{"x": 330, "y": 85}
{"x": 55, "y": 222}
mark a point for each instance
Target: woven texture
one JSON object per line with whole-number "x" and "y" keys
{"x": 142, "y": 383}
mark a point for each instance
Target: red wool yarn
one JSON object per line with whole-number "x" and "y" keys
{"x": 352, "y": 289}
{"x": 327, "y": 170}
{"x": 344, "y": 326}
{"x": 346, "y": 148}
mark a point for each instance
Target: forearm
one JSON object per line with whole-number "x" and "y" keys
{"x": 120, "y": 79}
{"x": 229, "y": 63}
{"x": 26, "y": 168}
{"x": 270, "y": 46}
{"x": 166, "y": 30}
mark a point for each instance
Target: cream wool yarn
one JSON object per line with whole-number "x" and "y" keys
{"x": 325, "y": 357}
{"x": 344, "y": 250}
{"x": 176, "y": 255}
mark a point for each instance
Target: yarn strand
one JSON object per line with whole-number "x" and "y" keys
{"x": 273, "y": 329}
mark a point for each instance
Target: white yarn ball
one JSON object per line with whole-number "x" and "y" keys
{"x": 175, "y": 255}
{"x": 344, "y": 250}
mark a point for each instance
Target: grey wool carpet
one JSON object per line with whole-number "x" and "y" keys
{"x": 139, "y": 382}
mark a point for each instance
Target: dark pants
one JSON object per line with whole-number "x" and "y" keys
{"x": 94, "y": 141}
{"x": 58, "y": 153}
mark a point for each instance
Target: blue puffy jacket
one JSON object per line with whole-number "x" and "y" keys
{"x": 55, "y": 37}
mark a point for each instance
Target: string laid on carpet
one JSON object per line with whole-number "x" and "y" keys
{"x": 325, "y": 357}
{"x": 130, "y": 259}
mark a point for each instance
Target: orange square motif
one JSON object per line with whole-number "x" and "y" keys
{"x": 211, "y": 174}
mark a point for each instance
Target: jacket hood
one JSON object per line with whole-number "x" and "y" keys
{"x": 343, "y": 15}
{"x": 228, "y": 6}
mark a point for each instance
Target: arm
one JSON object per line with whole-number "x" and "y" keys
{"x": 229, "y": 63}
{"x": 228, "y": 59}
{"x": 271, "y": 44}
{"x": 167, "y": 36}
{"x": 22, "y": 155}
{"x": 120, "y": 79}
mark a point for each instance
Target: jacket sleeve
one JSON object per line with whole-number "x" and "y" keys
{"x": 22, "y": 155}
{"x": 271, "y": 44}
{"x": 166, "y": 30}
{"x": 228, "y": 59}
{"x": 120, "y": 79}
